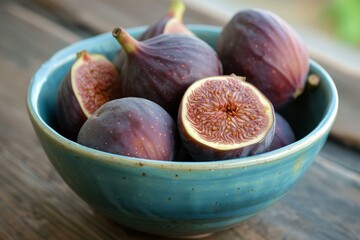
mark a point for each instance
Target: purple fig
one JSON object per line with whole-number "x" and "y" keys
{"x": 284, "y": 134}
{"x": 262, "y": 47}
{"x": 134, "y": 127}
{"x": 161, "y": 68}
{"x": 92, "y": 81}
{"x": 171, "y": 22}
{"x": 223, "y": 117}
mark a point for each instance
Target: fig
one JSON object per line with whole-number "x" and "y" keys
{"x": 134, "y": 127}
{"x": 224, "y": 117}
{"x": 171, "y": 22}
{"x": 161, "y": 68}
{"x": 91, "y": 81}
{"x": 261, "y": 46}
{"x": 284, "y": 134}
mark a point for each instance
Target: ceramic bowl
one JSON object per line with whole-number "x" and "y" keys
{"x": 178, "y": 199}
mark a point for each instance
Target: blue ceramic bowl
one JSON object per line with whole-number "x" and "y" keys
{"x": 178, "y": 198}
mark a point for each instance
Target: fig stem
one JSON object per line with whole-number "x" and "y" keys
{"x": 176, "y": 9}
{"x": 128, "y": 43}
{"x": 82, "y": 54}
{"x": 313, "y": 81}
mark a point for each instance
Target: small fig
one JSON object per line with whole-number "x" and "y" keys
{"x": 171, "y": 22}
{"x": 261, "y": 46}
{"x": 92, "y": 81}
{"x": 134, "y": 127}
{"x": 284, "y": 134}
{"x": 161, "y": 68}
{"x": 223, "y": 117}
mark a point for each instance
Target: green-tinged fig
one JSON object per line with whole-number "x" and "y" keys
{"x": 261, "y": 46}
{"x": 284, "y": 134}
{"x": 171, "y": 22}
{"x": 92, "y": 81}
{"x": 134, "y": 127}
{"x": 223, "y": 117}
{"x": 161, "y": 68}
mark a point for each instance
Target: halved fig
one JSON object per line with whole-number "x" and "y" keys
{"x": 92, "y": 81}
{"x": 224, "y": 117}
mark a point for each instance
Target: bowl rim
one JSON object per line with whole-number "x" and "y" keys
{"x": 67, "y": 53}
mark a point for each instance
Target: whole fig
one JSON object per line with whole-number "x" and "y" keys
{"x": 161, "y": 68}
{"x": 171, "y": 22}
{"x": 133, "y": 127}
{"x": 284, "y": 134}
{"x": 261, "y": 46}
{"x": 92, "y": 81}
{"x": 223, "y": 117}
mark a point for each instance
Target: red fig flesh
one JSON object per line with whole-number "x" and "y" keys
{"x": 92, "y": 81}
{"x": 262, "y": 47}
{"x": 224, "y": 117}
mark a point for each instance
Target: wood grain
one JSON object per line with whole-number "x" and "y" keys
{"x": 35, "y": 203}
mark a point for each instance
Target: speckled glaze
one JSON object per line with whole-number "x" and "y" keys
{"x": 178, "y": 198}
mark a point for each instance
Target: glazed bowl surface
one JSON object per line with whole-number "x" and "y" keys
{"x": 184, "y": 198}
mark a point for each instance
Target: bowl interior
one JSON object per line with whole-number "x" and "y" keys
{"x": 305, "y": 114}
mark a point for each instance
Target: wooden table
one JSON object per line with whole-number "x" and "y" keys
{"x": 35, "y": 203}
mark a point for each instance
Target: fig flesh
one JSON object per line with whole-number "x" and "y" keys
{"x": 134, "y": 127}
{"x": 223, "y": 117}
{"x": 92, "y": 81}
{"x": 284, "y": 134}
{"x": 161, "y": 68}
{"x": 261, "y": 46}
{"x": 171, "y": 22}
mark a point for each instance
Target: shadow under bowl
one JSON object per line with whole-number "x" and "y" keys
{"x": 178, "y": 199}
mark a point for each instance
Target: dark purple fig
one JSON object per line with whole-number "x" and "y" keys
{"x": 134, "y": 127}
{"x": 161, "y": 68}
{"x": 262, "y": 47}
{"x": 172, "y": 22}
{"x": 284, "y": 134}
{"x": 183, "y": 155}
{"x": 92, "y": 81}
{"x": 224, "y": 117}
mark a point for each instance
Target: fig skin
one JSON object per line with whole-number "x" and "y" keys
{"x": 284, "y": 134}
{"x": 133, "y": 127}
{"x": 219, "y": 127}
{"x": 171, "y": 22}
{"x": 161, "y": 68}
{"x": 91, "y": 81}
{"x": 261, "y": 46}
